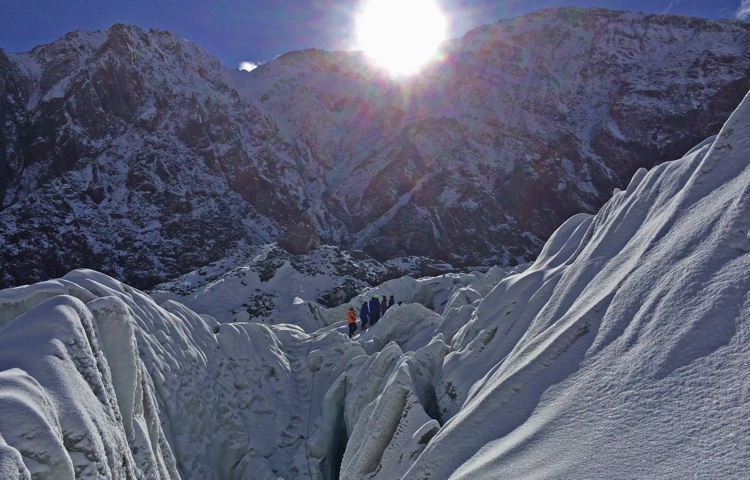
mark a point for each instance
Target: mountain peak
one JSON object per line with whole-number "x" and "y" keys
{"x": 151, "y": 159}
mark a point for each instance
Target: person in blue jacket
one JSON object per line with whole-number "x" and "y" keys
{"x": 391, "y": 301}
{"x": 364, "y": 314}
{"x": 374, "y": 310}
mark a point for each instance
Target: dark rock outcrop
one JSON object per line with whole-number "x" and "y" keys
{"x": 138, "y": 154}
{"x": 299, "y": 239}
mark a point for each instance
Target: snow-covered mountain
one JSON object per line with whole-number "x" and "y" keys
{"x": 137, "y": 154}
{"x": 622, "y": 352}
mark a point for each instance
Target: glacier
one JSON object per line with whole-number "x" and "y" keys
{"x": 621, "y": 352}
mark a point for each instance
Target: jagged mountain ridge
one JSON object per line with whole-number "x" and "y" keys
{"x": 137, "y": 154}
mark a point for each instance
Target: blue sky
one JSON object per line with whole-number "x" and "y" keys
{"x": 260, "y": 30}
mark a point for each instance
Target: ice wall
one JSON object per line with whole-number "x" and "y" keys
{"x": 61, "y": 402}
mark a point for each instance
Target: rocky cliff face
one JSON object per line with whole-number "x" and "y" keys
{"x": 137, "y": 154}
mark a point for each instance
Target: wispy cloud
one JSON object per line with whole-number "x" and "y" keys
{"x": 248, "y": 66}
{"x": 743, "y": 13}
{"x": 672, "y": 3}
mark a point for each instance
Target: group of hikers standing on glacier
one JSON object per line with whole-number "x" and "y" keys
{"x": 370, "y": 312}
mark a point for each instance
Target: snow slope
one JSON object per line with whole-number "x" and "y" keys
{"x": 622, "y": 352}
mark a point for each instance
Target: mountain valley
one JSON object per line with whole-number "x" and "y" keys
{"x": 139, "y": 155}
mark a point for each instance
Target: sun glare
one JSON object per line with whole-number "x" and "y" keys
{"x": 400, "y": 35}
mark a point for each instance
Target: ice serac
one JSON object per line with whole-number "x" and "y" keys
{"x": 178, "y": 394}
{"x": 137, "y": 154}
{"x": 61, "y": 411}
{"x": 397, "y": 425}
{"x": 122, "y": 388}
{"x": 498, "y": 323}
{"x": 19, "y": 300}
{"x": 11, "y": 462}
{"x": 233, "y": 399}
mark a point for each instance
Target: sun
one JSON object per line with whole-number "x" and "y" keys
{"x": 400, "y": 35}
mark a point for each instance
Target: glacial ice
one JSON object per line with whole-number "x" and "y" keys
{"x": 621, "y": 352}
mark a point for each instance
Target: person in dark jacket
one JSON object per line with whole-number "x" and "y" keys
{"x": 391, "y": 301}
{"x": 384, "y": 305}
{"x": 364, "y": 314}
{"x": 351, "y": 319}
{"x": 374, "y": 310}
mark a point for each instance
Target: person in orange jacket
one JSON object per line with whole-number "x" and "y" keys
{"x": 351, "y": 318}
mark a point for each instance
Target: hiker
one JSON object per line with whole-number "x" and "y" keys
{"x": 384, "y": 305}
{"x": 364, "y": 314}
{"x": 391, "y": 301}
{"x": 351, "y": 319}
{"x": 399, "y": 303}
{"x": 374, "y": 310}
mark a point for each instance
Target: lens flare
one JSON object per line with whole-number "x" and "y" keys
{"x": 401, "y": 35}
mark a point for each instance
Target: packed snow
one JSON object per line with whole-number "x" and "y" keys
{"x": 622, "y": 352}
